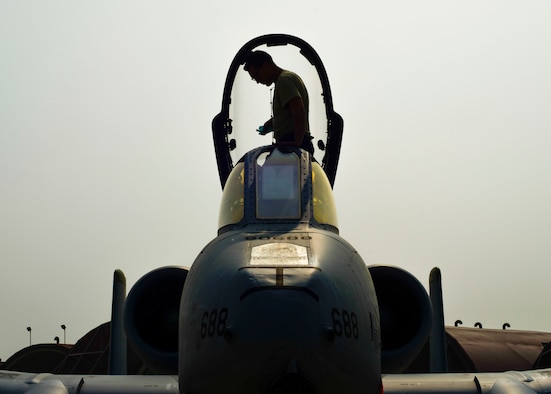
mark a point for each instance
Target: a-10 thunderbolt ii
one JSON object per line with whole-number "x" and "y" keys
{"x": 278, "y": 302}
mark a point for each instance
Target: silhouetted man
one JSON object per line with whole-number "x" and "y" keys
{"x": 290, "y": 102}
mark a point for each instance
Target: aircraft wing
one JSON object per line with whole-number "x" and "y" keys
{"x": 525, "y": 382}
{"x": 45, "y": 383}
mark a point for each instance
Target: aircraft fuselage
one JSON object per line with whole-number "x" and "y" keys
{"x": 260, "y": 307}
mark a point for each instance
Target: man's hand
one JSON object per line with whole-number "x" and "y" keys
{"x": 266, "y": 128}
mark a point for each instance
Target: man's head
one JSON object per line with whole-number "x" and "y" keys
{"x": 261, "y": 67}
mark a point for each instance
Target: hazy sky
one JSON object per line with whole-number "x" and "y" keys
{"x": 106, "y": 157}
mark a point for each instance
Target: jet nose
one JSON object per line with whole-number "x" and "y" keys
{"x": 291, "y": 371}
{"x": 292, "y": 383}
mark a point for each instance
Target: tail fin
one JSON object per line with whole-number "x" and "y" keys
{"x": 117, "y": 340}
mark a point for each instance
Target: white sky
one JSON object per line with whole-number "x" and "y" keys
{"x": 106, "y": 157}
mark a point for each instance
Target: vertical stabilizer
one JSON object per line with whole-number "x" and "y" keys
{"x": 438, "y": 359}
{"x": 117, "y": 341}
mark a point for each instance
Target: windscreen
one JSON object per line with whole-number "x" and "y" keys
{"x": 277, "y": 186}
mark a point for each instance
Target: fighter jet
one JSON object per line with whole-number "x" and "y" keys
{"x": 278, "y": 302}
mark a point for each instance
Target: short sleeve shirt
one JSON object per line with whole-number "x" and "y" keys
{"x": 287, "y": 86}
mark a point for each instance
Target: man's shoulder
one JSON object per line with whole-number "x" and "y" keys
{"x": 290, "y": 80}
{"x": 289, "y": 75}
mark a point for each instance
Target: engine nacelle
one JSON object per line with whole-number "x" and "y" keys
{"x": 151, "y": 317}
{"x": 406, "y": 316}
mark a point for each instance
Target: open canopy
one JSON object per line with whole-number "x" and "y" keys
{"x": 246, "y": 105}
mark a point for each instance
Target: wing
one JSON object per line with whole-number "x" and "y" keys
{"x": 23, "y": 382}
{"x": 525, "y": 382}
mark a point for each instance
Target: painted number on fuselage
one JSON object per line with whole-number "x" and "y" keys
{"x": 345, "y": 323}
{"x": 213, "y": 322}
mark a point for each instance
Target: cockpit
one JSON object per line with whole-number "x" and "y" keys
{"x": 277, "y": 185}
{"x": 246, "y": 106}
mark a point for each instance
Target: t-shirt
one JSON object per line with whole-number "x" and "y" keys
{"x": 287, "y": 86}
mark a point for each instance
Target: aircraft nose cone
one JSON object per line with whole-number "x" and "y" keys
{"x": 290, "y": 370}
{"x": 292, "y": 383}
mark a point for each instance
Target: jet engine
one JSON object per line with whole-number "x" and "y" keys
{"x": 405, "y": 314}
{"x": 151, "y": 318}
